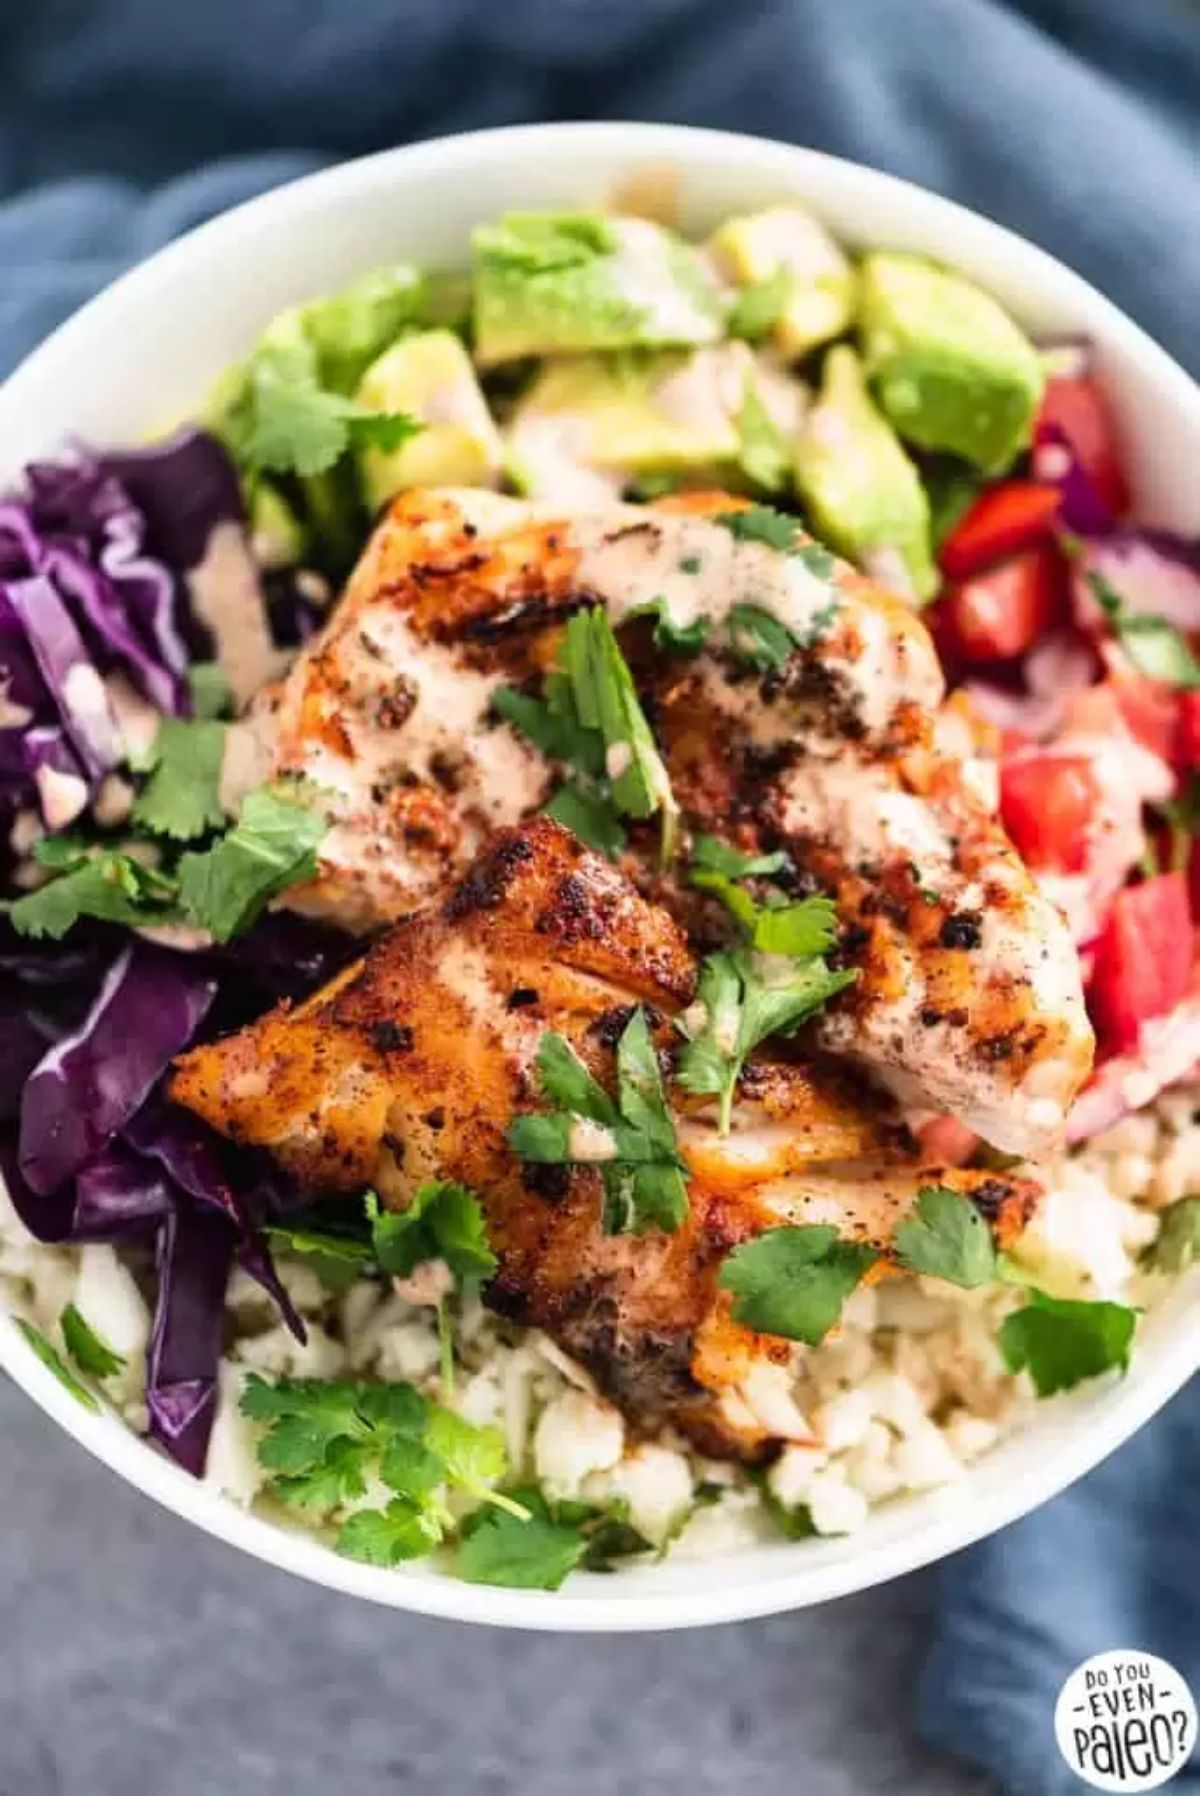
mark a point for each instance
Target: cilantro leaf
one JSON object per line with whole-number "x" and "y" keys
{"x": 552, "y": 724}
{"x": 685, "y": 640}
{"x": 285, "y": 420}
{"x": 323, "y": 1441}
{"x": 739, "y": 1002}
{"x": 1177, "y": 1243}
{"x": 947, "y": 1237}
{"x": 1061, "y": 1341}
{"x": 758, "y": 639}
{"x": 1156, "y": 648}
{"x": 107, "y": 885}
{"x": 444, "y": 1221}
{"x": 389, "y": 1536}
{"x": 793, "y": 1281}
{"x": 272, "y": 846}
{"x": 607, "y": 701}
{"x": 764, "y": 452}
{"x": 90, "y": 1352}
{"x": 760, "y": 305}
{"x": 497, "y": 1548}
{"x": 586, "y": 809}
{"x": 710, "y": 854}
{"x": 212, "y": 696}
{"x": 182, "y": 797}
{"x": 630, "y": 1139}
{"x": 761, "y": 524}
{"x": 53, "y": 1360}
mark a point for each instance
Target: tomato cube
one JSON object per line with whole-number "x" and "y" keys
{"x": 1143, "y": 961}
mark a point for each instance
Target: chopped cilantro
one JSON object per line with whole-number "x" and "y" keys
{"x": 272, "y": 846}
{"x": 691, "y": 564}
{"x": 539, "y": 1553}
{"x": 760, "y": 305}
{"x": 587, "y": 810}
{"x": 91, "y": 1354}
{"x": 104, "y": 884}
{"x": 210, "y": 690}
{"x": 793, "y": 1281}
{"x": 323, "y": 1441}
{"x": 629, "y": 1139}
{"x": 591, "y": 719}
{"x": 675, "y": 639}
{"x": 758, "y": 639}
{"x": 761, "y": 524}
{"x": 1061, "y": 1341}
{"x": 764, "y": 452}
{"x": 1156, "y": 648}
{"x": 53, "y": 1360}
{"x": 740, "y": 1000}
{"x": 1177, "y": 1243}
{"x": 444, "y": 1221}
{"x": 711, "y": 855}
{"x": 947, "y": 1237}
{"x": 284, "y": 419}
{"x": 181, "y": 799}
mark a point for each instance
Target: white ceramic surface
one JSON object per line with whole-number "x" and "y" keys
{"x": 142, "y": 355}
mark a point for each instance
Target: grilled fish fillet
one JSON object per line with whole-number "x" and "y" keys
{"x": 413, "y": 1063}
{"x": 969, "y": 1000}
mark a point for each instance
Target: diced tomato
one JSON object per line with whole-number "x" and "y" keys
{"x": 1046, "y": 803}
{"x": 1003, "y": 612}
{"x": 1188, "y": 738}
{"x": 1003, "y": 520}
{"x": 1143, "y": 964}
{"x": 1127, "y": 704}
{"x": 948, "y": 1141}
{"x": 1074, "y": 404}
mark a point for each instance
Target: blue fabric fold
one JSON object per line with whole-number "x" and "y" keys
{"x": 124, "y": 122}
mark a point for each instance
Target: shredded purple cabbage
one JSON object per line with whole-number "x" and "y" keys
{"x": 193, "y": 1258}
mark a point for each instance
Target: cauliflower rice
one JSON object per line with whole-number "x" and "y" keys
{"x": 903, "y": 1396}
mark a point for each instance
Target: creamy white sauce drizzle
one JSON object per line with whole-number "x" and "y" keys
{"x": 228, "y": 598}
{"x": 642, "y": 274}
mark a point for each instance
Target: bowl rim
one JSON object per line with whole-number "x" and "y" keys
{"x": 1120, "y": 1409}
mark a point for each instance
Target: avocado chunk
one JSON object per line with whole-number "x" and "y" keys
{"x": 429, "y": 376}
{"x": 948, "y": 365}
{"x": 673, "y": 412}
{"x": 549, "y": 282}
{"x": 796, "y": 285}
{"x": 861, "y": 491}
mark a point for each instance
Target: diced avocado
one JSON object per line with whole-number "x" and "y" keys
{"x": 668, "y": 413}
{"x": 277, "y": 534}
{"x": 796, "y": 285}
{"x": 547, "y": 283}
{"x": 948, "y": 365}
{"x": 862, "y": 493}
{"x": 429, "y": 376}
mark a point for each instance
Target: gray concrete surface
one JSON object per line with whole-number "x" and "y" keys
{"x": 143, "y": 1659}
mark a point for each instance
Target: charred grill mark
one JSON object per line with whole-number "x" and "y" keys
{"x": 572, "y": 915}
{"x": 553, "y": 1183}
{"x": 391, "y": 1038}
{"x": 487, "y": 884}
{"x": 521, "y": 997}
{"x": 964, "y": 929}
{"x": 528, "y": 614}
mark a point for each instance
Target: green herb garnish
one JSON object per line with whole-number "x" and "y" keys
{"x": 182, "y": 799}
{"x": 1061, "y": 1341}
{"x": 90, "y": 1353}
{"x": 100, "y": 883}
{"x": 740, "y": 1000}
{"x": 53, "y": 1360}
{"x": 324, "y": 1440}
{"x": 272, "y": 846}
{"x": 284, "y": 420}
{"x": 947, "y": 1237}
{"x": 630, "y": 1139}
{"x": 793, "y": 1281}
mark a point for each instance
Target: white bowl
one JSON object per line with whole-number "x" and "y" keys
{"x": 143, "y": 354}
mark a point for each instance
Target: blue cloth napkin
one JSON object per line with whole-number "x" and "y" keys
{"x": 124, "y": 122}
